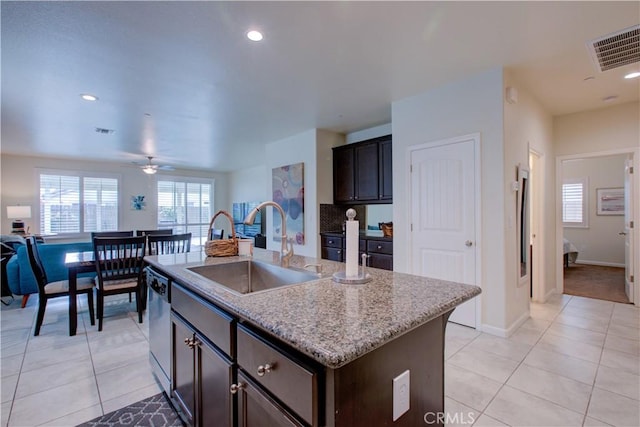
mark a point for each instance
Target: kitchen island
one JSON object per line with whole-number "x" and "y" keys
{"x": 315, "y": 353}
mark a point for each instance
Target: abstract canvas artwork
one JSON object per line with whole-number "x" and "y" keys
{"x": 288, "y": 192}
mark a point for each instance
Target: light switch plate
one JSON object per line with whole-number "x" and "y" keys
{"x": 401, "y": 394}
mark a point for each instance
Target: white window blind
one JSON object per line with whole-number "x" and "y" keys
{"x": 77, "y": 204}
{"x": 574, "y": 203}
{"x": 185, "y": 206}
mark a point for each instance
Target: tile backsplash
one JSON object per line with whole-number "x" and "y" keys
{"x": 332, "y": 217}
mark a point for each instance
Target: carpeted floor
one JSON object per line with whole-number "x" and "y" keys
{"x": 594, "y": 281}
{"x": 154, "y": 411}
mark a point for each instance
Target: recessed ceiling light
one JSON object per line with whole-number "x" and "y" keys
{"x": 609, "y": 98}
{"x": 89, "y": 97}
{"x": 632, "y": 75}
{"x": 254, "y": 35}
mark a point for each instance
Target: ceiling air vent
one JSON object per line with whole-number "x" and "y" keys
{"x": 617, "y": 49}
{"x": 104, "y": 131}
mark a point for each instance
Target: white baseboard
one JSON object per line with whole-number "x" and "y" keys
{"x": 506, "y": 333}
{"x": 600, "y": 263}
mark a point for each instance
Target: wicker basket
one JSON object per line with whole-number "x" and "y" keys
{"x": 387, "y": 229}
{"x": 221, "y": 247}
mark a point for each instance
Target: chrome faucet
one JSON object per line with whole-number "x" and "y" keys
{"x": 286, "y": 251}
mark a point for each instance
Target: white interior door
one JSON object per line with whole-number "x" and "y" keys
{"x": 443, "y": 217}
{"x": 628, "y": 231}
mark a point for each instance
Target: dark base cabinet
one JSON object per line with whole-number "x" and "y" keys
{"x": 201, "y": 378}
{"x": 379, "y": 249}
{"x": 380, "y": 254}
{"x": 263, "y": 382}
{"x": 255, "y": 408}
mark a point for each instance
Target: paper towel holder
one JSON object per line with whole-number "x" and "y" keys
{"x": 361, "y": 278}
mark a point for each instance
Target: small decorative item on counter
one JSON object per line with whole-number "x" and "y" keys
{"x": 245, "y": 247}
{"x": 222, "y": 247}
{"x": 387, "y": 229}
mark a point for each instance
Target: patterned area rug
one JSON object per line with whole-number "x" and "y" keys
{"x": 155, "y": 411}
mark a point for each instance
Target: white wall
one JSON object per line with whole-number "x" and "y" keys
{"x": 313, "y": 148}
{"x": 20, "y": 186}
{"x": 249, "y": 185}
{"x": 527, "y": 126}
{"x": 369, "y": 133}
{"x": 600, "y": 243}
{"x": 616, "y": 127}
{"x": 466, "y": 107}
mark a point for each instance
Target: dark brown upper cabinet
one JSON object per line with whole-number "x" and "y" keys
{"x": 362, "y": 172}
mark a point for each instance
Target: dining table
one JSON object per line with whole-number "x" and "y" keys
{"x": 77, "y": 263}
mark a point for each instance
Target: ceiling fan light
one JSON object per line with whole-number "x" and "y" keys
{"x": 150, "y": 170}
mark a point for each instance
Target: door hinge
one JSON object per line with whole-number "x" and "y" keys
{"x": 630, "y": 169}
{"x": 630, "y": 224}
{"x": 631, "y": 278}
{"x": 411, "y": 227}
{"x": 410, "y": 168}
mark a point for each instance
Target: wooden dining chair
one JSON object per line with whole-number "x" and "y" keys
{"x": 161, "y": 231}
{"x": 168, "y": 244}
{"x": 119, "y": 264}
{"x": 48, "y": 290}
{"x": 216, "y": 234}
{"x": 111, "y": 234}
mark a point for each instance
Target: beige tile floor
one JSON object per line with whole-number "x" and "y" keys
{"x": 57, "y": 380}
{"x": 576, "y": 361}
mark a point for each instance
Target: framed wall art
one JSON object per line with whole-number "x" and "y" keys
{"x": 610, "y": 201}
{"x": 138, "y": 203}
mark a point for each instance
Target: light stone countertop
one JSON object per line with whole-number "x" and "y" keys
{"x": 332, "y": 323}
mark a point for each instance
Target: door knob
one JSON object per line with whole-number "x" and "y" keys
{"x": 468, "y": 243}
{"x": 622, "y": 233}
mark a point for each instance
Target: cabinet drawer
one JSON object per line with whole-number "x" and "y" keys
{"x": 333, "y": 254}
{"x": 362, "y": 245}
{"x": 288, "y": 380}
{"x": 385, "y": 262}
{"x": 212, "y": 322}
{"x": 331, "y": 242}
{"x": 380, "y": 247}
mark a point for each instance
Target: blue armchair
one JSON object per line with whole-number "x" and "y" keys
{"x": 19, "y": 273}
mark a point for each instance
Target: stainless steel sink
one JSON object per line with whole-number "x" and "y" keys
{"x": 252, "y": 276}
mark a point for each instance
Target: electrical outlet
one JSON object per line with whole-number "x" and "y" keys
{"x": 401, "y": 394}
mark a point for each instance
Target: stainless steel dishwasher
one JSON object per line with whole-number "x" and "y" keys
{"x": 160, "y": 327}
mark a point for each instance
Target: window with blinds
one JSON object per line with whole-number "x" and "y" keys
{"x": 574, "y": 212}
{"x": 77, "y": 204}
{"x": 185, "y": 206}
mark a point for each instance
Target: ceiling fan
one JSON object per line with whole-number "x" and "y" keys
{"x": 151, "y": 168}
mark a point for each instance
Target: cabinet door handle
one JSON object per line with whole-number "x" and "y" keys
{"x": 331, "y": 242}
{"x": 265, "y": 369}
{"x": 235, "y": 387}
{"x": 379, "y": 247}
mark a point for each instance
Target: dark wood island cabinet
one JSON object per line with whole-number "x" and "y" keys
{"x": 316, "y": 353}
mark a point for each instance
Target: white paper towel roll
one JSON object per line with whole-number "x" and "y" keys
{"x": 352, "y": 237}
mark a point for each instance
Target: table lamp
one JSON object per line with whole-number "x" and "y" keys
{"x": 17, "y": 214}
